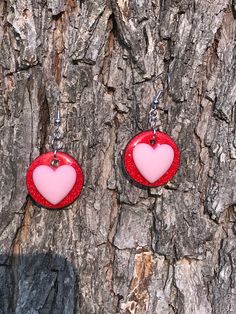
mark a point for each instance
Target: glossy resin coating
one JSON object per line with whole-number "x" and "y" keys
{"x": 151, "y": 160}
{"x": 54, "y": 186}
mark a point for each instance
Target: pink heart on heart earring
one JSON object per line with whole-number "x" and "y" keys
{"x": 55, "y": 179}
{"x": 151, "y": 158}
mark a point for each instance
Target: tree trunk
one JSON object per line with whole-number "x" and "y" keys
{"x": 119, "y": 248}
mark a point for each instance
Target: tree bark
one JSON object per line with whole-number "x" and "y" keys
{"x": 119, "y": 248}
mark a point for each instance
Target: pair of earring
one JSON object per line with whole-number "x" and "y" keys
{"x": 55, "y": 179}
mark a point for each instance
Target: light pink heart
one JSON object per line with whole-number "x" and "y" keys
{"x": 152, "y": 162}
{"x": 54, "y": 184}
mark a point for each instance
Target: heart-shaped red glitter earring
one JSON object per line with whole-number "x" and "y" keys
{"x": 55, "y": 179}
{"x": 151, "y": 158}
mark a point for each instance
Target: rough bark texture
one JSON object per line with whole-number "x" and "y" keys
{"x": 119, "y": 248}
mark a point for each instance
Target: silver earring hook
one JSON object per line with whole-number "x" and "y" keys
{"x": 165, "y": 79}
{"x": 156, "y": 100}
{"x": 57, "y": 143}
{"x": 153, "y": 111}
{"x": 57, "y": 117}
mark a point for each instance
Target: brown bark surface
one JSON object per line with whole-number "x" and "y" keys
{"x": 119, "y": 248}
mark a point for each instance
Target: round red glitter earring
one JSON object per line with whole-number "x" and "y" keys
{"x": 151, "y": 158}
{"x": 55, "y": 179}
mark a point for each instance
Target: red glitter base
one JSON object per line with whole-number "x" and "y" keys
{"x": 46, "y": 159}
{"x": 147, "y": 137}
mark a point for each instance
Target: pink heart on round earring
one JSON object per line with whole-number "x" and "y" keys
{"x": 153, "y": 162}
{"x": 54, "y": 181}
{"x": 151, "y": 159}
{"x": 54, "y": 184}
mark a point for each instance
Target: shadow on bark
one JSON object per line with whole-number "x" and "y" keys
{"x": 42, "y": 283}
